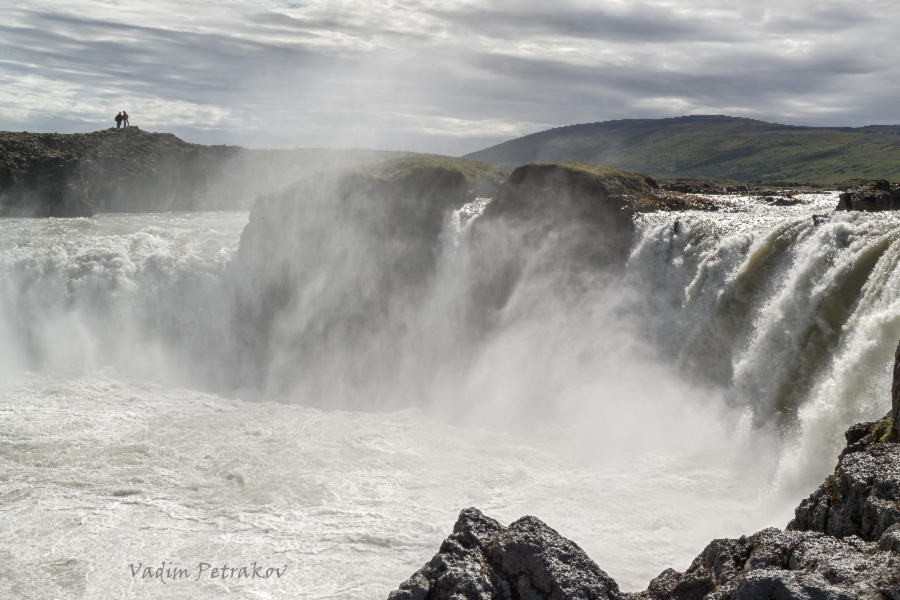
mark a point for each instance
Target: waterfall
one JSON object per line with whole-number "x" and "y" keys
{"x": 341, "y": 374}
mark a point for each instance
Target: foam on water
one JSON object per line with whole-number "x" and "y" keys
{"x": 101, "y": 472}
{"x": 699, "y": 396}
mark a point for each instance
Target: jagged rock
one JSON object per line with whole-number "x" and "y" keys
{"x": 483, "y": 560}
{"x": 871, "y": 197}
{"x": 861, "y": 498}
{"x": 895, "y": 397}
{"x": 774, "y": 564}
{"x": 459, "y": 569}
{"x": 843, "y": 544}
{"x": 782, "y": 201}
{"x": 338, "y": 218}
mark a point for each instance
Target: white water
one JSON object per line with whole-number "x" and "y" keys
{"x": 702, "y": 397}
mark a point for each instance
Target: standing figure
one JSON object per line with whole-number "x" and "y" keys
{"x": 119, "y": 118}
{"x": 124, "y": 118}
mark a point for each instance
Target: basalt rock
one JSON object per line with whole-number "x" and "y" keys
{"x": 775, "y": 564}
{"x": 561, "y": 223}
{"x": 862, "y": 497}
{"x": 340, "y": 219}
{"x": 843, "y": 544}
{"x": 527, "y": 560}
{"x": 871, "y": 197}
{"x": 895, "y": 397}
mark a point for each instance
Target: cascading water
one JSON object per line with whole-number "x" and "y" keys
{"x": 698, "y": 394}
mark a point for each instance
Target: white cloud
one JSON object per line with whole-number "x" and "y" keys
{"x": 440, "y": 76}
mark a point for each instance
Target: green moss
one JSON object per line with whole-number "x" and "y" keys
{"x": 471, "y": 170}
{"x": 882, "y": 430}
{"x": 640, "y": 191}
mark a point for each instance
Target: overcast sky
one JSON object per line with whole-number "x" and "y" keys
{"x": 449, "y": 77}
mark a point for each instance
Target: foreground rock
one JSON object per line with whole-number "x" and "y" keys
{"x": 843, "y": 544}
{"x": 871, "y": 196}
{"x": 484, "y": 560}
{"x": 129, "y": 170}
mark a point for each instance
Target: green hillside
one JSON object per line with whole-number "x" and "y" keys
{"x": 713, "y": 147}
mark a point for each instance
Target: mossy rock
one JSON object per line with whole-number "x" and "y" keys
{"x": 883, "y": 430}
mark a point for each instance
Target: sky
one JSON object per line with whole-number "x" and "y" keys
{"x": 448, "y": 77}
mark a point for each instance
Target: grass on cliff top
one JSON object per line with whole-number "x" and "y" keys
{"x": 470, "y": 169}
{"x": 639, "y": 190}
{"x": 883, "y": 429}
{"x": 638, "y": 180}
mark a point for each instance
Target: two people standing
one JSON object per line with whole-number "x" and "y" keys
{"x": 122, "y": 118}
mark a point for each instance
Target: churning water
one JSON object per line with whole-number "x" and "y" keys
{"x": 699, "y": 395}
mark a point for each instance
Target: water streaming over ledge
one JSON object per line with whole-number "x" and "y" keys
{"x": 700, "y": 394}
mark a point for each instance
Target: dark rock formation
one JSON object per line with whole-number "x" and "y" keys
{"x": 526, "y": 560}
{"x": 561, "y": 223}
{"x": 380, "y": 231}
{"x": 129, "y": 170}
{"x": 871, "y": 197}
{"x": 589, "y": 210}
{"x": 843, "y": 544}
{"x": 781, "y": 564}
{"x": 719, "y": 188}
{"x": 861, "y": 498}
{"x": 781, "y": 201}
{"x": 593, "y": 192}
{"x": 895, "y": 397}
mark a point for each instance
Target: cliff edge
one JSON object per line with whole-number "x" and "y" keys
{"x": 131, "y": 170}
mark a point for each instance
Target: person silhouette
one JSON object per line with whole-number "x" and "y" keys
{"x": 119, "y": 119}
{"x": 124, "y": 118}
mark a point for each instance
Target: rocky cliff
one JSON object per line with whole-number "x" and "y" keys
{"x": 383, "y": 229}
{"x": 870, "y": 196}
{"x": 560, "y": 222}
{"x": 843, "y": 544}
{"x": 379, "y": 228}
{"x": 130, "y": 170}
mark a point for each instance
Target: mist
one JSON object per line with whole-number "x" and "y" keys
{"x": 395, "y": 345}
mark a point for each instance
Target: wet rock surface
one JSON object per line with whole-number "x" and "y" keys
{"x": 527, "y": 560}
{"x": 862, "y": 498}
{"x": 339, "y": 219}
{"x": 843, "y": 544}
{"x": 871, "y": 197}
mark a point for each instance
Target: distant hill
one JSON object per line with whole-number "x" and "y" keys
{"x": 713, "y": 147}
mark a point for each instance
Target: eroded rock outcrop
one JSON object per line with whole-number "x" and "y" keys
{"x": 861, "y": 498}
{"x": 895, "y": 397}
{"x": 484, "y": 560}
{"x": 871, "y": 197}
{"x": 560, "y": 225}
{"x": 843, "y": 544}
{"x": 379, "y": 230}
{"x": 130, "y": 170}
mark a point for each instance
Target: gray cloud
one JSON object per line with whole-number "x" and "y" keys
{"x": 647, "y": 24}
{"x": 449, "y": 77}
